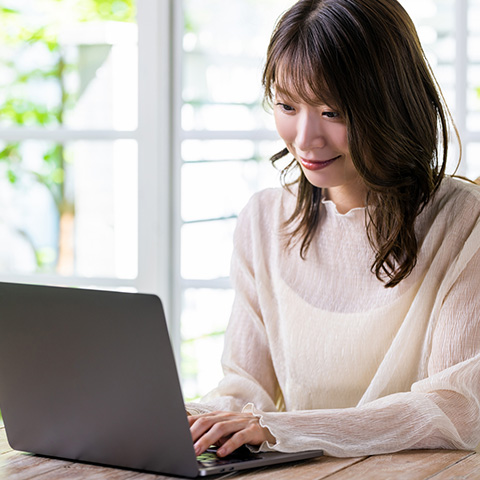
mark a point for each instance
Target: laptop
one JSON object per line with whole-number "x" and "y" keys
{"x": 90, "y": 376}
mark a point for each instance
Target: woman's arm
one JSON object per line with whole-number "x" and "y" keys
{"x": 441, "y": 411}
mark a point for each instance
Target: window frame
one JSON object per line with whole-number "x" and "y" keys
{"x": 461, "y": 65}
{"x": 159, "y": 136}
{"x": 154, "y": 140}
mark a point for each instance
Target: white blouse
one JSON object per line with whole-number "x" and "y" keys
{"x": 328, "y": 358}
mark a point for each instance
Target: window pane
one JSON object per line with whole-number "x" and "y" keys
{"x": 105, "y": 208}
{"x": 69, "y": 209}
{"x": 71, "y": 63}
{"x": 211, "y": 116}
{"x": 206, "y": 249}
{"x": 213, "y": 150}
{"x": 473, "y": 87}
{"x": 204, "y": 318}
{"x": 435, "y": 24}
{"x": 223, "y": 61}
{"x": 473, "y": 160}
{"x": 473, "y": 96}
{"x": 212, "y": 189}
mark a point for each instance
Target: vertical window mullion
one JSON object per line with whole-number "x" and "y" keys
{"x": 177, "y": 21}
{"x": 154, "y": 191}
{"x": 461, "y": 64}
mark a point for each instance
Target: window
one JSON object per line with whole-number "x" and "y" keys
{"x": 83, "y": 92}
{"x": 132, "y": 134}
{"x": 451, "y": 39}
{"x": 226, "y": 139}
{"x": 68, "y": 152}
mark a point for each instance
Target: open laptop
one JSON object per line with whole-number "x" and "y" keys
{"x": 90, "y": 376}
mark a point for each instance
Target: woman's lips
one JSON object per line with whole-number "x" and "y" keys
{"x": 317, "y": 164}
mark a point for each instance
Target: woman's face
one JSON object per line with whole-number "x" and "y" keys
{"x": 316, "y": 136}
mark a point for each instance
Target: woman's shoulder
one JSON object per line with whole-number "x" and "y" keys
{"x": 270, "y": 203}
{"x": 454, "y": 208}
{"x": 455, "y": 183}
{"x": 263, "y": 215}
{"x": 459, "y": 194}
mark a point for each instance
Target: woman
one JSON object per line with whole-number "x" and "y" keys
{"x": 355, "y": 327}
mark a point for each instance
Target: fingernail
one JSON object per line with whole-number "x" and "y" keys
{"x": 221, "y": 452}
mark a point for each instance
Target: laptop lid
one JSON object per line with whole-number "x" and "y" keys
{"x": 90, "y": 376}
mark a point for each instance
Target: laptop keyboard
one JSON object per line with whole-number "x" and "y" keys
{"x": 210, "y": 458}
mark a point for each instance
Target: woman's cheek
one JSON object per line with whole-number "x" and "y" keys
{"x": 285, "y": 128}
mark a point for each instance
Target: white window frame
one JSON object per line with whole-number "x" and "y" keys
{"x": 461, "y": 79}
{"x": 159, "y": 136}
{"x": 155, "y": 159}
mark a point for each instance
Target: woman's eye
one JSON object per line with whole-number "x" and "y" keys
{"x": 331, "y": 114}
{"x": 285, "y": 107}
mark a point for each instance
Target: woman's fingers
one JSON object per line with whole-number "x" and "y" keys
{"x": 214, "y": 430}
{"x": 251, "y": 434}
{"x": 230, "y": 430}
{"x": 200, "y": 424}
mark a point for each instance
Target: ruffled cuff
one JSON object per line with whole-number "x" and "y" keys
{"x": 197, "y": 408}
{"x": 265, "y": 446}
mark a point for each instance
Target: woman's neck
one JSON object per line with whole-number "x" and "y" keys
{"x": 347, "y": 197}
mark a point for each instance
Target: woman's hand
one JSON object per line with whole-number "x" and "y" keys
{"x": 227, "y": 430}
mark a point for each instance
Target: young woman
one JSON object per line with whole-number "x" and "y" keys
{"x": 355, "y": 327}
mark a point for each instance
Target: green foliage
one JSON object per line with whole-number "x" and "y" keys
{"x": 6, "y": 10}
{"x": 21, "y": 35}
{"x": 45, "y": 256}
{"x": 23, "y": 112}
{"x": 10, "y": 154}
{"x": 116, "y": 10}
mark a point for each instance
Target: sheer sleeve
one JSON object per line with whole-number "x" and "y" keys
{"x": 440, "y": 411}
{"x": 249, "y": 374}
{"x": 442, "y": 407}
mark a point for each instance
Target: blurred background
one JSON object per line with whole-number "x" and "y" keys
{"x": 132, "y": 134}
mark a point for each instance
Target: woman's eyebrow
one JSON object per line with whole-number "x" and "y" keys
{"x": 282, "y": 91}
{"x": 297, "y": 97}
{"x": 286, "y": 95}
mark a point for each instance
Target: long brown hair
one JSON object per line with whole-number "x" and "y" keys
{"x": 365, "y": 58}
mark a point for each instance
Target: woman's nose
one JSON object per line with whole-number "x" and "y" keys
{"x": 309, "y": 133}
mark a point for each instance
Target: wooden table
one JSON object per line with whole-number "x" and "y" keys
{"x": 412, "y": 465}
